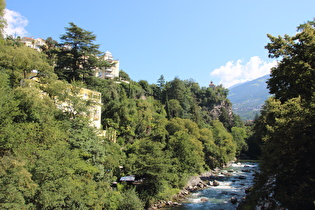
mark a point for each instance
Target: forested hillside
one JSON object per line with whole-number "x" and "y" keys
{"x": 51, "y": 158}
{"x": 247, "y": 98}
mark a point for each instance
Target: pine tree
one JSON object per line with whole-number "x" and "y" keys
{"x": 78, "y": 56}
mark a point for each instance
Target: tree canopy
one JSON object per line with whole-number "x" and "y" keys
{"x": 286, "y": 125}
{"x": 295, "y": 73}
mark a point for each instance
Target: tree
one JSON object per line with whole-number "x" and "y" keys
{"x": 62, "y": 170}
{"x": 224, "y": 140}
{"x": 19, "y": 61}
{"x": 2, "y": 21}
{"x": 176, "y": 90}
{"x": 145, "y": 117}
{"x": 239, "y": 135}
{"x": 188, "y": 151}
{"x": 148, "y": 161}
{"x": 161, "y": 82}
{"x": 185, "y": 145}
{"x": 210, "y": 149}
{"x": 123, "y": 75}
{"x": 7, "y": 102}
{"x": 175, "y": 108}
{"x": 295, "y": 74}
{"x": 287, "y": 130}
{"x": 51, "y": 50}
{"x": 78, "y": 54}
{"x": 286, "y": 125}
{"x": 146, "y": 87}
{"x": 16, "y": 184}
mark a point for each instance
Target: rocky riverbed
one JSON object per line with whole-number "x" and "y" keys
{"x": 218, "y": 189}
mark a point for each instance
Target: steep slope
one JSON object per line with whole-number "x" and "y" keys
{"x": 247, "y": 98}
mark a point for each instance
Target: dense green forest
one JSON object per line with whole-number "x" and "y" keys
{"x": 51, "y": 158}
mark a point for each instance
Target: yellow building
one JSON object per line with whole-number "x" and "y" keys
{"x": 95, "y": 109}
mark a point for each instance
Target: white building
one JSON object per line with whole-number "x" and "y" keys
{"x": 33, "y": 43}
{"x": 108, "y": 72}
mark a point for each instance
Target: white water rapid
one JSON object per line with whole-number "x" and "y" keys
{"x": 233, "y": 181}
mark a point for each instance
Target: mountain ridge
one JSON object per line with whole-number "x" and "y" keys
{"x": 248, "y": 97}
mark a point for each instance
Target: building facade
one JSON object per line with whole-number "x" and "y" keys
{"x": 95, "y": 109}
{"x": 33, "y": 43}
{"x": 108, "y": 72}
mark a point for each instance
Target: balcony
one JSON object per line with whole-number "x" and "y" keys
{"x": 108, "y": 75}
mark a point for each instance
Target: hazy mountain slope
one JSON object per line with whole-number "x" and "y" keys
{"x": 247, "y": 98}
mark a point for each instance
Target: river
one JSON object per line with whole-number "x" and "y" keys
{"x": 232, "y": 183}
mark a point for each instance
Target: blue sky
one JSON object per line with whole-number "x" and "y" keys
{"x": 203, "y": 40}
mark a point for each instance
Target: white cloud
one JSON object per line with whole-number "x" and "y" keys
{"x": 235, "y": 72}
{"x": 16, "y": 23}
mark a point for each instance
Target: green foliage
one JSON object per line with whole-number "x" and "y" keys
{"x": 286, "y": 124}
{"x": 124, "y": 76}
{"x": 225, "y": 119}
{"x": 63, "y": 178}
{"x": 224, "y": 140}
{"x": 161, "y": 82}
{"x": 294, "y": 75}
{"x": 2, "y": 21}
{"x": 47, "y": 159}
{"x": 16, "y": 184}
{"x": 148, "y": 161}
{"x": 210, "y": 149}
{"x": 287, "y": 153}
{"x": 175, "y": 108}
{"x": 8, "y": 105}
{"x": 77, "y": 55}
{"x": 146, "y": 87}
{"x": 19, "y": 61}
{"x": 51, "y": 50}
{"x": 159, "y": 121}
{"x": 129, "y": 200}
{"x": 239, "y": 136}
{"x": 188, "y": 152}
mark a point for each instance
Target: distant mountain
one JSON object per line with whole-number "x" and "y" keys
{"x": 247, "y": 98}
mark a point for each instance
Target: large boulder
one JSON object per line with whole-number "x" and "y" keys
{"x": 233, "y": 200}
{"x": 204, "y": 199}
{"x": 242, "y": 177}
{"x": 215, "y": 183}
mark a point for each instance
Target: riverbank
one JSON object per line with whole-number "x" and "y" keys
{"x": 194, "y": 183}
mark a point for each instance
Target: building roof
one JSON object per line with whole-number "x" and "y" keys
{"x": 130, "y": 178}
{"x": 27, "y": 39}
{"x": 211, "y": 84}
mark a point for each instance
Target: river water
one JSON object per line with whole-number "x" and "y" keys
{"x": 232, "y": 183}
